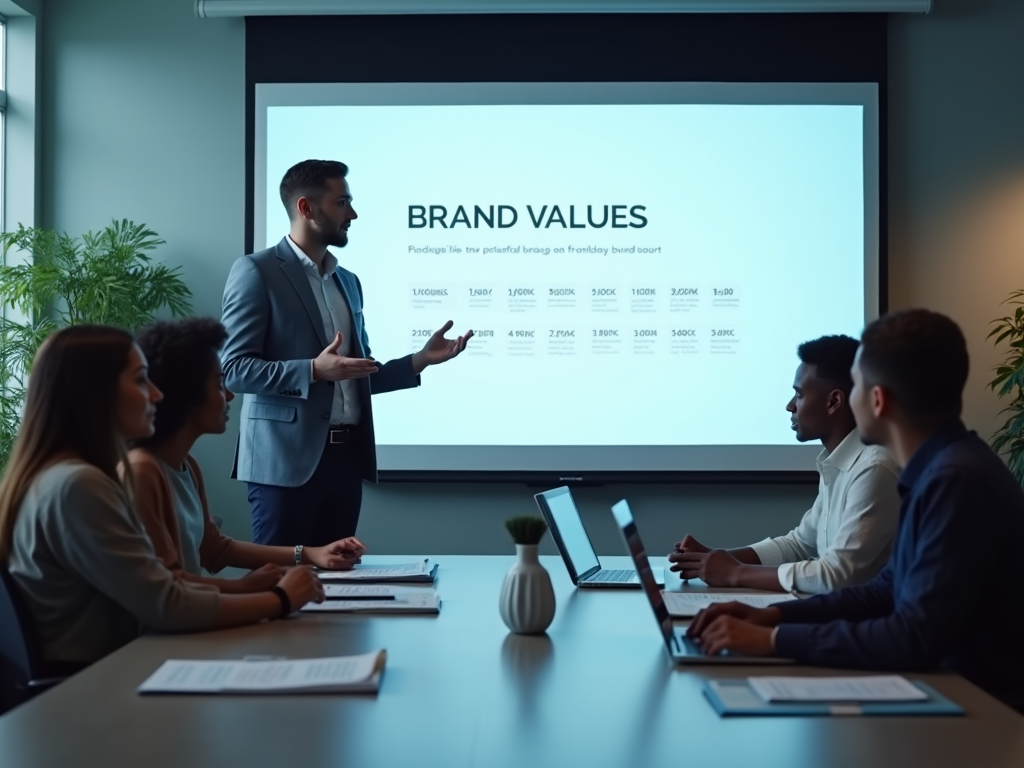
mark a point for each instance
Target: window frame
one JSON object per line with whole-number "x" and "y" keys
{"x": 3, "y": 120}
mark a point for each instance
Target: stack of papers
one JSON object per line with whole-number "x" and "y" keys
{"x": 687, "y": 604}
{"x": 368, "y": 598}
{"x": 837, "y": 689}
{"x": 420, "y": 571}
{"x": 338, "y": 674}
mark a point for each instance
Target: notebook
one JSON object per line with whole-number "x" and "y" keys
{"x": 418, "y": 572}
{"x": 337, "y": 674}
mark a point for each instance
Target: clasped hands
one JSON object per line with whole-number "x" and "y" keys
{"x": 330, "y": 366}
{"x": 715, "y": 567}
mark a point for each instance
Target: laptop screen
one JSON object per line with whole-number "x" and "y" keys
{"x": 624, "y": 517}
{"x": 568, "y": 532}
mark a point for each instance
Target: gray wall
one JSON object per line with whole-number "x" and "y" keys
{"x": 144, "y": 119}
{"x": 956, "y": 171}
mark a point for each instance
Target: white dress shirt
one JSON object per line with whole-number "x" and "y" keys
{"x": 845, "y": 538}
{"x": 335, "y": 314}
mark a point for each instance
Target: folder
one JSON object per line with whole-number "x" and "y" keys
{"x": 736, "y": 698}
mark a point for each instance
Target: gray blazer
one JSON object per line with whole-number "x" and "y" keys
{"x": 274, "y": 331}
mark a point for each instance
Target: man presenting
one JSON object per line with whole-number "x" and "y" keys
{"x": 846, "y": 537}
{"x": 950, "y": 597}
{"x": 297, "y": 349}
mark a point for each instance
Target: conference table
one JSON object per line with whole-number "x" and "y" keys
{"x": 459, "y": 690}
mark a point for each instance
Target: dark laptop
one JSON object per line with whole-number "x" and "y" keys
{"x": 679, "y": 646}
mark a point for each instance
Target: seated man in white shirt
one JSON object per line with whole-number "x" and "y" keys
{"x": 845, "y": 538}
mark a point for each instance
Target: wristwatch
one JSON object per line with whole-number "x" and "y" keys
{"x": 298, "y": 554}
{"x": 286, "y": 604}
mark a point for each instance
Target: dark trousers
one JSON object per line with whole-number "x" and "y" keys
{"x": 323, "y": 510}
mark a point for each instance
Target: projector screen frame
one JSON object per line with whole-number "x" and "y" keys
{"x": 745, "y": 48}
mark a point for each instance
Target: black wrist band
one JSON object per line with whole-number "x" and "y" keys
{"x": 286, "y": 604}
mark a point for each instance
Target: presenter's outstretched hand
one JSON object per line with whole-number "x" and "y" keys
{"x": 302, "y": 586}
{"x": 330, "y": 366}
{"x": 762, "y": 617}
{"x": 438, "y": 349}
{"x": 340, "y": 555}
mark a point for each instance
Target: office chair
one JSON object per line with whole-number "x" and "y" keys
{"x": 22, "y": 674}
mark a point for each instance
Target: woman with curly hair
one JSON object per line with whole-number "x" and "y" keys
{"x": 170, "y": 495}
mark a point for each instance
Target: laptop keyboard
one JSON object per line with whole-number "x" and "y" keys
{"x": 688, "y": 646}
{"x": 613, "y": 576}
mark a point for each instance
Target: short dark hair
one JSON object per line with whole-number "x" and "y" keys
{"x": 832, "y": 358}
{"x": 181, "y": 355}
{"x": 309, "y": 179}
{"x": 920, "y": 357}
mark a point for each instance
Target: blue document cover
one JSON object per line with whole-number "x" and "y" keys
{"x": 735, "y": 698}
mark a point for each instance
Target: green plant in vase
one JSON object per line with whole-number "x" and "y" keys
{"x": 526, "y": 529}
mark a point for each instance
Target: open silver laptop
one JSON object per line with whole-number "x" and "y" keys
{"x": 680, "y": 647}
{"x": 573, "y": 543}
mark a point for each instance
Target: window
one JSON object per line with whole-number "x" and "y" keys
{"x": 3, "y": 114}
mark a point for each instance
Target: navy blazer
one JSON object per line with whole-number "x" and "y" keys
{"x": 952, "y": 595}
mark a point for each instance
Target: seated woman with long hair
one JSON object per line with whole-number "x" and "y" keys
{"x": 69, "y": 536}
{"x": 170, "y": 496}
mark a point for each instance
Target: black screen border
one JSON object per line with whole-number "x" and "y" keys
{"x": 755, "y": 48}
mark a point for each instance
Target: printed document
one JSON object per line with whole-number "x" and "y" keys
{"x": 389, "y": 601}
{"x": 339, "y": 674}
{"x": 854, "y": 689}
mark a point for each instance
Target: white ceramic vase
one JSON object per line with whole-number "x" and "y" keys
{"x": 527, "y": 602}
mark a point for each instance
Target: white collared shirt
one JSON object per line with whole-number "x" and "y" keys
{"x": 845, "y": 538}
{"x": 336, "y": 317}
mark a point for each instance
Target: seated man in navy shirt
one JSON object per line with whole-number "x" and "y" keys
{"x": 950, "y": 598}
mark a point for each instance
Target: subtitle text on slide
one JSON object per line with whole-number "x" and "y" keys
{"x": 534, "y": 250}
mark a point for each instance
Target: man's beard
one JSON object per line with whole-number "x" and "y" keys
{"x": 330, "y": 234}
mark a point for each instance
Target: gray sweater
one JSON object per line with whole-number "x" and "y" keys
{"x": 88, "y": 571}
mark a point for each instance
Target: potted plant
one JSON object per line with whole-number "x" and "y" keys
{"x": 1009, "y": 383}
{"x": 106, "y": 277}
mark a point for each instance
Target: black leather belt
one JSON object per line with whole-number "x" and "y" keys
{"x": 340, "y": 434}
